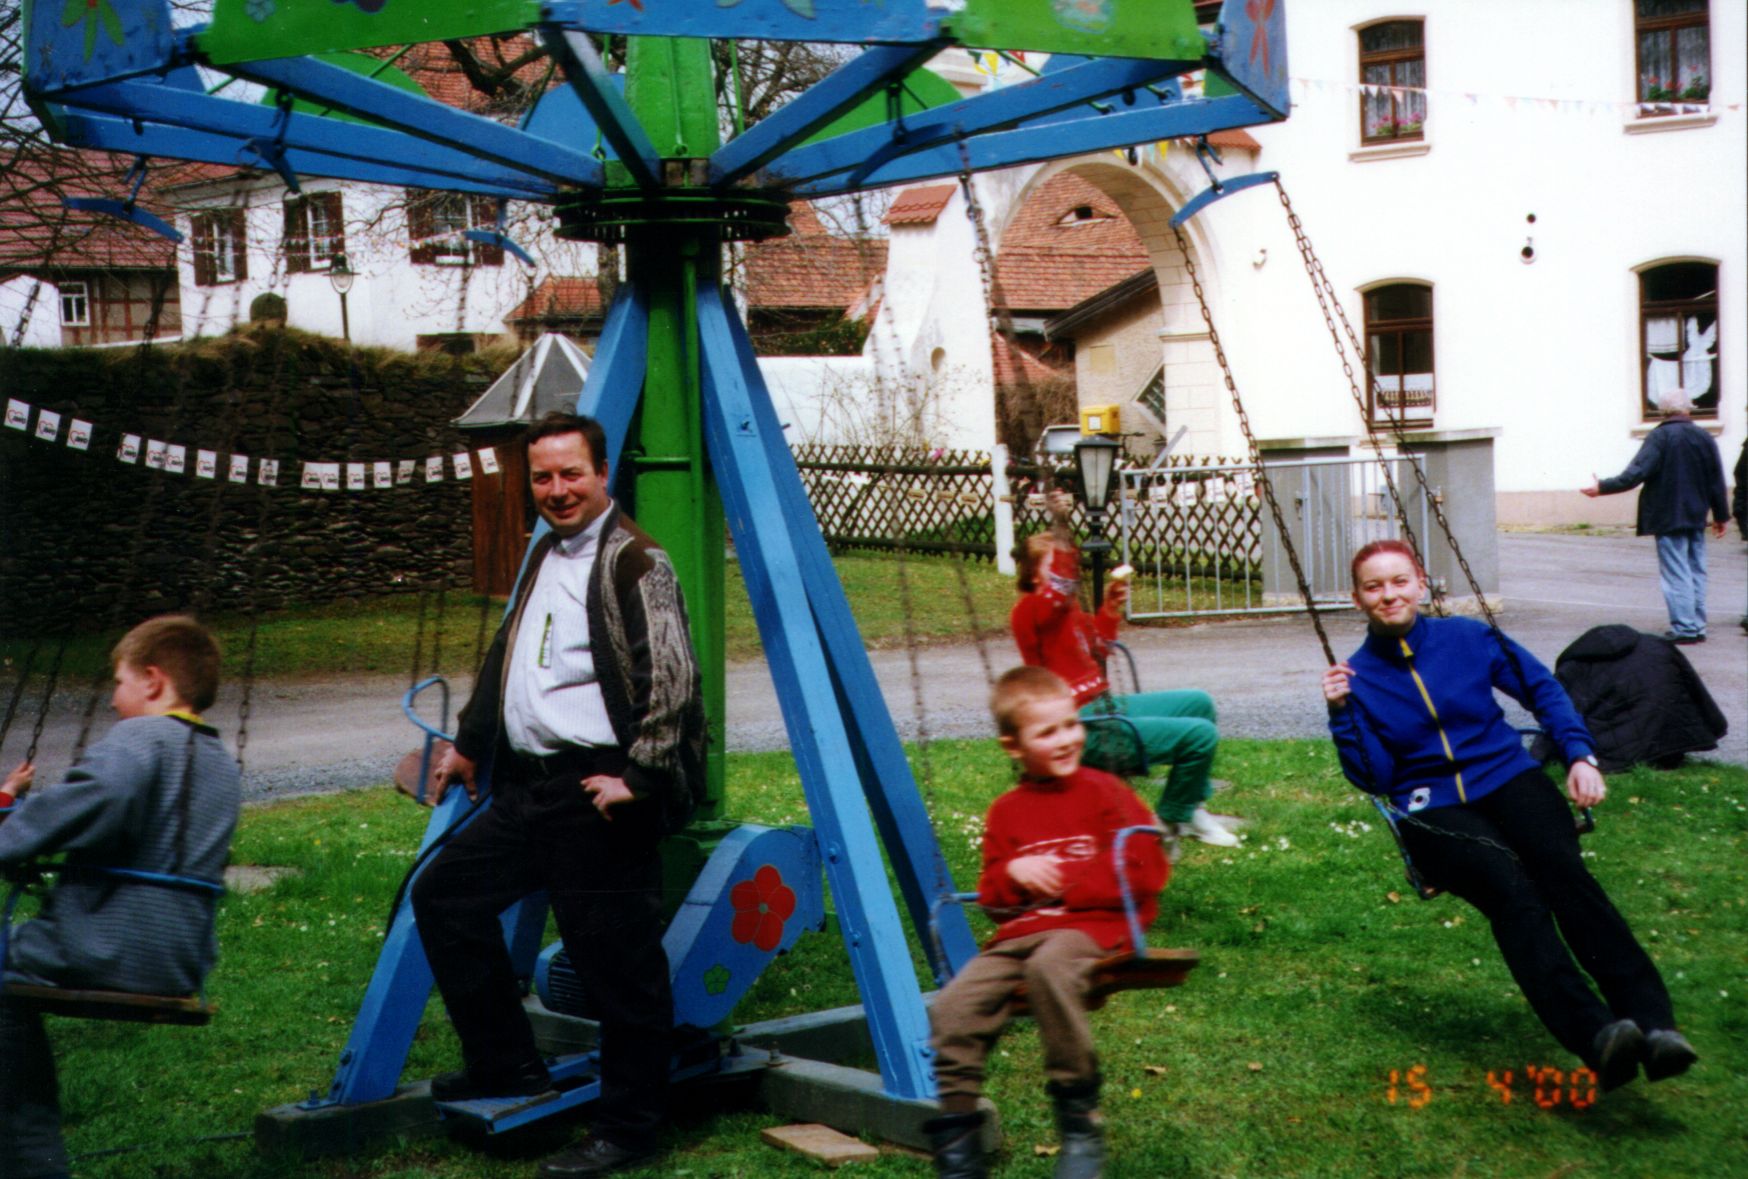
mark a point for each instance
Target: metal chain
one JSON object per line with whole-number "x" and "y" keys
{"x": 48, "y": 694}
{"x": 18, "y": 689}
{"x": 1325, "y": 298}
{"x": 1262, "y": 479}
{"x": 419, "y": 640}
{"x": 1398, "y": 432}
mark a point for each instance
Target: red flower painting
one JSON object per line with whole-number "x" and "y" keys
{"x": 761, "y": 906}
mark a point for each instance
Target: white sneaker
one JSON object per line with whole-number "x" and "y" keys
{"x": 1206, "y": 828}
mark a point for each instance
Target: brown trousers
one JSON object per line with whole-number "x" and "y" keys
{"x": 972, "y": 1010}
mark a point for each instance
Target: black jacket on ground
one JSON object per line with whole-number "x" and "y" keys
{"x": 1683, "y": 474}
{"x": 1640, "y": 697}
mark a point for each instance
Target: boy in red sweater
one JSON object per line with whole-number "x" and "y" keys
{"x": 1050, "y": 877}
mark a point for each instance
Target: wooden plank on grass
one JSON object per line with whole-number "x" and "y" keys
{"x": 820, "y": 1142}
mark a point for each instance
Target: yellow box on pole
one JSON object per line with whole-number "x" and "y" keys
{"x": 1099, "y": 419}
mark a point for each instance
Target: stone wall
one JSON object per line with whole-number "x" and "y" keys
{"x": 88, "y": 540}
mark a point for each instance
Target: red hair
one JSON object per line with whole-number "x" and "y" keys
{"x": 1367, "y": 552}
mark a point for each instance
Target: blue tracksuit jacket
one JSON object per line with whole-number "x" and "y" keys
{"x": 1427, "y": 730}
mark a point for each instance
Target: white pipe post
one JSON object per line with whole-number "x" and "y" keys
{"x": 1004, "y": 510}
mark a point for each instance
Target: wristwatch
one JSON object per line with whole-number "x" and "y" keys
{"x": 1588, "y": 759}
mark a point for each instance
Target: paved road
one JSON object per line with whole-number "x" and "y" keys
{"x": 1262, "y": 672}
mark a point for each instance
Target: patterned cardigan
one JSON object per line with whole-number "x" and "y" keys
{"x": 645, "y": 662}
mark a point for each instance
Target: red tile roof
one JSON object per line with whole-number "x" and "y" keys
{"x": 560, "y": 298}
{"x": 812, "y": 268}
{"x": 1049, "y": 259}
{"x": 920, "y": 206}
{"x": 1037, "y": 369}
{"x": 37, "y": 232}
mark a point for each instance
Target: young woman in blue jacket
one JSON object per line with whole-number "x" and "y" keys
{"x": 1415, "y": 721}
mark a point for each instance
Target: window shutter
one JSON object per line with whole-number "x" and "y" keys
{"x": 421, "y": 226}
{"x": 203, "y": 267}
{"x": 239, "y": 247}
{"x": 484, "y": 215}
{"x": 297, "y": 236}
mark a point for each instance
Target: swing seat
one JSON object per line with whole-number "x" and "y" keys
{"x": 124, "y": 1006}
{"x": 1148, "y": 970}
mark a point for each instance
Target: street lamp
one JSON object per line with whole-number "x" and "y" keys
{"x": 1095, "y": 460}
{"x": 342, "y": 276}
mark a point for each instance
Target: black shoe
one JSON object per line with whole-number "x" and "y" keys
{"x": 592, "y": 1156}
{"x": 1684, "y": 640}
{"x": 1667, "y": 1054}
{"x": 957, "y": 1142}
{"x": 530, "y": 1080}
{"x": 1618, "y": 1048}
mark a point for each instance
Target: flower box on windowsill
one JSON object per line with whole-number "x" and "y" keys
{"x": 1670, "y": 116}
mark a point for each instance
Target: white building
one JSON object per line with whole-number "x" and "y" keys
{"x": 1532, "y": 247}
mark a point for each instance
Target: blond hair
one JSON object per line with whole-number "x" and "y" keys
{"x": 181, "y": 648}
{"x": 1020, "y": 687}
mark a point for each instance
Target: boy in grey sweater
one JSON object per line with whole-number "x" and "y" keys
{"x": 158, "y": 794}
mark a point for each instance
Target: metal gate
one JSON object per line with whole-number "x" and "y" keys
{"x": 1202, "y": 543}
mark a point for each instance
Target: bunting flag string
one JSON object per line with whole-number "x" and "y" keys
{"x": 159, "y": 454}
{"x": 1305, "y": 87}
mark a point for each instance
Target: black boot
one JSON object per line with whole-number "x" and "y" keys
{"x": 1082, "y": 1129}
{"x": 957, "y": 1140}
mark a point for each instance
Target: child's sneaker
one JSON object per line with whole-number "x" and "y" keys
{"x": 1206, "y": 828}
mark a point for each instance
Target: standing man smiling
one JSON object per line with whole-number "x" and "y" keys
{"x": 587, "y": 710}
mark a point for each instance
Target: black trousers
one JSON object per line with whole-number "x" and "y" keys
{"x": 603, "y": 880}
{"x": 1526, "y": 898}
{"x": 30, "y": 1108}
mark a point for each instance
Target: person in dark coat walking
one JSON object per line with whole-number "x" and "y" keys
{"x": 1683, "y": 474}
{"x": 1739, "y": 504}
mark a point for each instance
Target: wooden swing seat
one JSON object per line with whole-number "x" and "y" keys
{"x": 187, "y": 1010}
{"x": 1148, "y": 970}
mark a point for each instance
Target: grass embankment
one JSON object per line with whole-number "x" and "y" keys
{"x": 1274, "y": 1060}
{"x": 382, "y": 636}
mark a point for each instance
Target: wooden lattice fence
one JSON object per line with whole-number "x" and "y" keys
{"x": 943, "y": 501}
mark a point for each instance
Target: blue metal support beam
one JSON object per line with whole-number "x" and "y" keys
{"x": 887, "y": 781}
{"x": 112, "y": 134}
{"x": 592, "y": 81}
{"x": 1056, "y": 91}
{"x": 1219, "y": 189}
{"x": 424, "y": 118}
{"x": 174, "y": 107}
{"x": 1049, "y": 141}
{"x": 748, "y": 466}
{"x": 865, "y": 74}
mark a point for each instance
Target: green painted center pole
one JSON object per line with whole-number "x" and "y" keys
{"x": 670, "y": 85}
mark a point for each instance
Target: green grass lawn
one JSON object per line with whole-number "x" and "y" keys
{"x": 383, "y": 635}
{"x": 1319, "y": 977}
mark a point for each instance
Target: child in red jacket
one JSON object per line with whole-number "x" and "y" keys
{"x": 1050, "y": 876}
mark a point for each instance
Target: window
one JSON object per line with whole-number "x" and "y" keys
{"x": 1399, "y": 352}
{"x": 75, "y": 305}
{"x": 436, "y": 222}
{"x": 1678, "y": 334}
{"x": 219, "y": 255}
{"x": 1152, "y": 396}
{"x": 1675, "y": 61}
{"x": 1392, "y": 82}
{"x": 314, "y": 231}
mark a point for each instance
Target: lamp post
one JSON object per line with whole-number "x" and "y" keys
{"x": 1095, "y": 460}
{"x": 342, "y": 276}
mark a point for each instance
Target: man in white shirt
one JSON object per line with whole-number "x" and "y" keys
{"x": 587, "y": 712}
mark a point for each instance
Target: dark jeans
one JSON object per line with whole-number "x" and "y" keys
{"x": 1525, "y": 898}
{"x": 30, "y": 1108}
{"x": 603, "y": 880}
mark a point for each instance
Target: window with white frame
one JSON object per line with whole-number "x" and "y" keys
{"x": 1399, "y": 353}
{"x": 1674, "y": 55}
{"x": 1392, "y": 82}
{"x": 1678, "y": 335}
{"x": 314, "y": 231}
{"x": 437, "y": 223}
{"x": 75, "y": 305}
{"x": 219, "y": 253}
